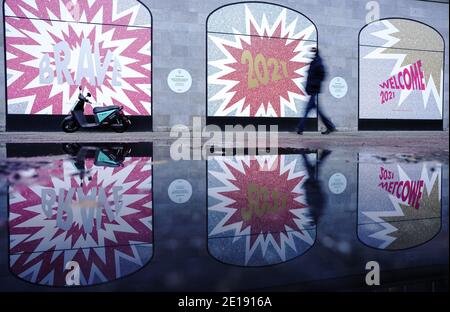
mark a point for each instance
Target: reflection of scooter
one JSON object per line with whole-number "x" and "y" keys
{"x": 104, "y": 156}
{"x": 108, "y": 116}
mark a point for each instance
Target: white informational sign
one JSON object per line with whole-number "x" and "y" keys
{"x": 179, "y": 80}
{"x": 338, "y": 87}
{"x": 180, "y": 191}
{"x": 337, "y": 183}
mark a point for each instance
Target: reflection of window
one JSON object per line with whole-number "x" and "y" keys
{"x": 90, "y": 215}
{"x": 399, "y": 204}
{"x": 257, "y": 64}
{"x": 103, "y": 45}
{"x": 259, "y": 212}
{"x": 401, "y": 68}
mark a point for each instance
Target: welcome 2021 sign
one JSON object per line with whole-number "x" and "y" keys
{"x": 399, "y": 203}
{"x": 258, "y": 60}
{"x": 401, "y": 71}
{"x": 54, "y": 46}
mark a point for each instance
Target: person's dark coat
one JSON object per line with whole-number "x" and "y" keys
{"x": 316, "y": 74}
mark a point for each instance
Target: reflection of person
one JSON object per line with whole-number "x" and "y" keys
{"x": 316, "y": 74}
{"x": 314, "y": 195}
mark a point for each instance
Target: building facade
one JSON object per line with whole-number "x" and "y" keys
{"x": 169, "y": 61}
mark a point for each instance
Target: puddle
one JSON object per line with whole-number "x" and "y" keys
{"x": 126, "y": 216}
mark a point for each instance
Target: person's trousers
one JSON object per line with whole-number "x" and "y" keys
{"x": 311, "y": 105}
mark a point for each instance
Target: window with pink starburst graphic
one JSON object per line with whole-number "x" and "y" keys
{"x": 99, "y": 217}
{"x": 257, "y": 209}
{"x": 54, "y": 46}
{"x": 257, "y": 64}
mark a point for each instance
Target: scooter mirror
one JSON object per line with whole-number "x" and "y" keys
{"x": 88, "y": 95}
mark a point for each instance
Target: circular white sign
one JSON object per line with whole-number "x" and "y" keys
{"x": 180, "y": 191}
{"x": 337, "y": 183}
{"x": 179, "y": 80}
{"x": 338, "y": 87}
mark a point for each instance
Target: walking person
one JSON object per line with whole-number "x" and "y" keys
{"x": 316, "y": 74}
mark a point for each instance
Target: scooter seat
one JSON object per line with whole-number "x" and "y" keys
{"x": 104, "y": 109}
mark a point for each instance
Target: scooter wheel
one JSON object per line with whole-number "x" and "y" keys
{"x": 70, "y": 125}
{"x": 120, "y": 126}
{"x": 71, "y": 148}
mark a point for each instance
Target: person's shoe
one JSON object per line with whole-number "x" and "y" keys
{"x": 299, "y": 132}
{"x": 328, "y": 131}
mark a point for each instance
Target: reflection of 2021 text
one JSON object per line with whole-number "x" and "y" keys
{"x": 260, "y": 203}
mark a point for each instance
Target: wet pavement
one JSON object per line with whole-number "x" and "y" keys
{"x": 309, "y": 216}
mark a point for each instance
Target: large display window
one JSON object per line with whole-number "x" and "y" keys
{"x": 84, "y": 218}
{"x": 401, "y": 75}
{"x": 53, "y": 47}
{"x": 258, "y": 57}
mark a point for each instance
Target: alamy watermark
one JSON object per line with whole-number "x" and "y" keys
{"x": 73, "y": 276}
{"x": 373, "y": 14}
{"x": 210, "y": 140}
{"x": 373, "y": 276}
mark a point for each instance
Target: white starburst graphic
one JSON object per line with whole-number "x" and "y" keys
{"x": 382, "y": 229}
{"x": 393, "y": 36}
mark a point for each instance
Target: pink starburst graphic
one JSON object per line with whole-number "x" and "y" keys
{"x": 102, "y": 221}
{"x": 53, "y": 48}
{"x": 271, "y": 222}
{"x": 262, "y": 202}
{"x": 263, "y": 71}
